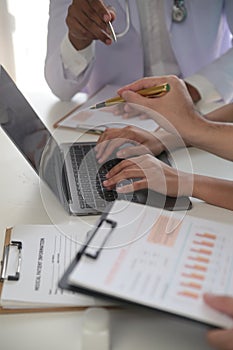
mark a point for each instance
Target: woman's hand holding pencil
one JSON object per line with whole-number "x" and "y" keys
{"x": 174, "y": 110}
{"x": 153, "y": 91}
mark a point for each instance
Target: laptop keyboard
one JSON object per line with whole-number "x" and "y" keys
{"x": 89, "y": 176}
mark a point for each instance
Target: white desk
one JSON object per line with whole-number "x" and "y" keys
{"x": 21, "y": 203}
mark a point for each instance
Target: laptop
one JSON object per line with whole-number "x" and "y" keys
{"x": 70, "y": 170}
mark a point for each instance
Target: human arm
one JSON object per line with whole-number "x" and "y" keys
{"x": 222, "y": 114}
{"x": 59, "y": 76}
{"x": 164, "y": 179}
{"x": 67, "y": 70}
{"x": 177, "y": 113}
{"x": 221, "y": 339}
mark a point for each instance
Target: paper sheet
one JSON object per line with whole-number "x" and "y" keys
{"x": 99, "y": 119}
{"x": 47, "y": 251}
{"x": 162, "y": 260}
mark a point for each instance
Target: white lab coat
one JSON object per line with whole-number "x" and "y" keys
{"x": 202, "y": 45}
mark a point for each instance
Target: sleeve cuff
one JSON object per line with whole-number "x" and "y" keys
{"x": 76, "y": 61}
{"x": 206, "y": 89}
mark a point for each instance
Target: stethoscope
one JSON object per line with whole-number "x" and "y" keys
{"x": 179, "y": 13}
{"x": 127, "y": 21}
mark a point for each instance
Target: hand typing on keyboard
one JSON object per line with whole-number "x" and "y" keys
{"x": 149, "y": 172}
{"x": 89, "y": 177}
{"x": 108, "y": 195}
{"x": 132, "y": 141}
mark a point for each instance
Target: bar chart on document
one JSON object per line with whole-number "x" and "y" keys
{"x": 168, "y": 263}
{"x": 206, "y": 265}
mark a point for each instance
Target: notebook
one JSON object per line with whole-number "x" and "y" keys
{"x": 65, "y": 168}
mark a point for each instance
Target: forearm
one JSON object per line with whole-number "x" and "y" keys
{"x": 223, "y": 114}
{"x": 60, "y": 81}
{"x": 214, "y": 191}
{"x": 214, "y": 137}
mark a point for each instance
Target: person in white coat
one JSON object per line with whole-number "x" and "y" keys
{"x": 195, "y": 46}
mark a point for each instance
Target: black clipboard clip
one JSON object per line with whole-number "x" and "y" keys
{"x": 5, "y": 258}
{"x": 93, "y": 251}
{"x": 89, "y": 251}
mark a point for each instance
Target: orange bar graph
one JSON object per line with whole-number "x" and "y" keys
{"x": 189, "y": 294}
{"x": 199, "y": 258}
{"x": 206, "y": 235}
{"x": 197, "y": 267}
{"x": 204, "y": 243}
{"x": 191, "y": 285}
{"x": 201, "y": 251}
{"x": 194, "y": 276}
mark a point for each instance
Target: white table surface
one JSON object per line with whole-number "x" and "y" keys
{"x": 21, "y": 203}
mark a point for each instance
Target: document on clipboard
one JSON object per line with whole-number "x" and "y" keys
{"x": 96, "y": 121}
{"x": 156, "y": 259}
{"x": 34, "y": 259}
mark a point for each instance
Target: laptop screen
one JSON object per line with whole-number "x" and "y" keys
{"x": 31, "y": 137}
{"x": 20, "y": 122}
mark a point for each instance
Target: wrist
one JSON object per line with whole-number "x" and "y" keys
{"x": 194, "y": 133}
{"x": 169, "y": 142}
{"x": 202, "y": 186}
{"x": 159, "y": 144}
{"x": 186, "y": 184}
{"x": 78, "y": 44}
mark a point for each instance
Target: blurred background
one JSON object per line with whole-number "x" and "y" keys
{"x": 23, "y": 32}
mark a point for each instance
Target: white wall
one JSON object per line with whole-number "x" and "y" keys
{"x": 29, "y": 42}
{"x": 6, "y": 45}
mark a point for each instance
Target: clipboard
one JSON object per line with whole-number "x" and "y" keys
{"x": 18, "y": 245}
{"x": 6, "y": 251}
{"x": 175, "y": 296}
{"x": 91, "y": 254}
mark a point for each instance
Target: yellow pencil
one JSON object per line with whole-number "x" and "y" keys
{"x": 154, "y": 91}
